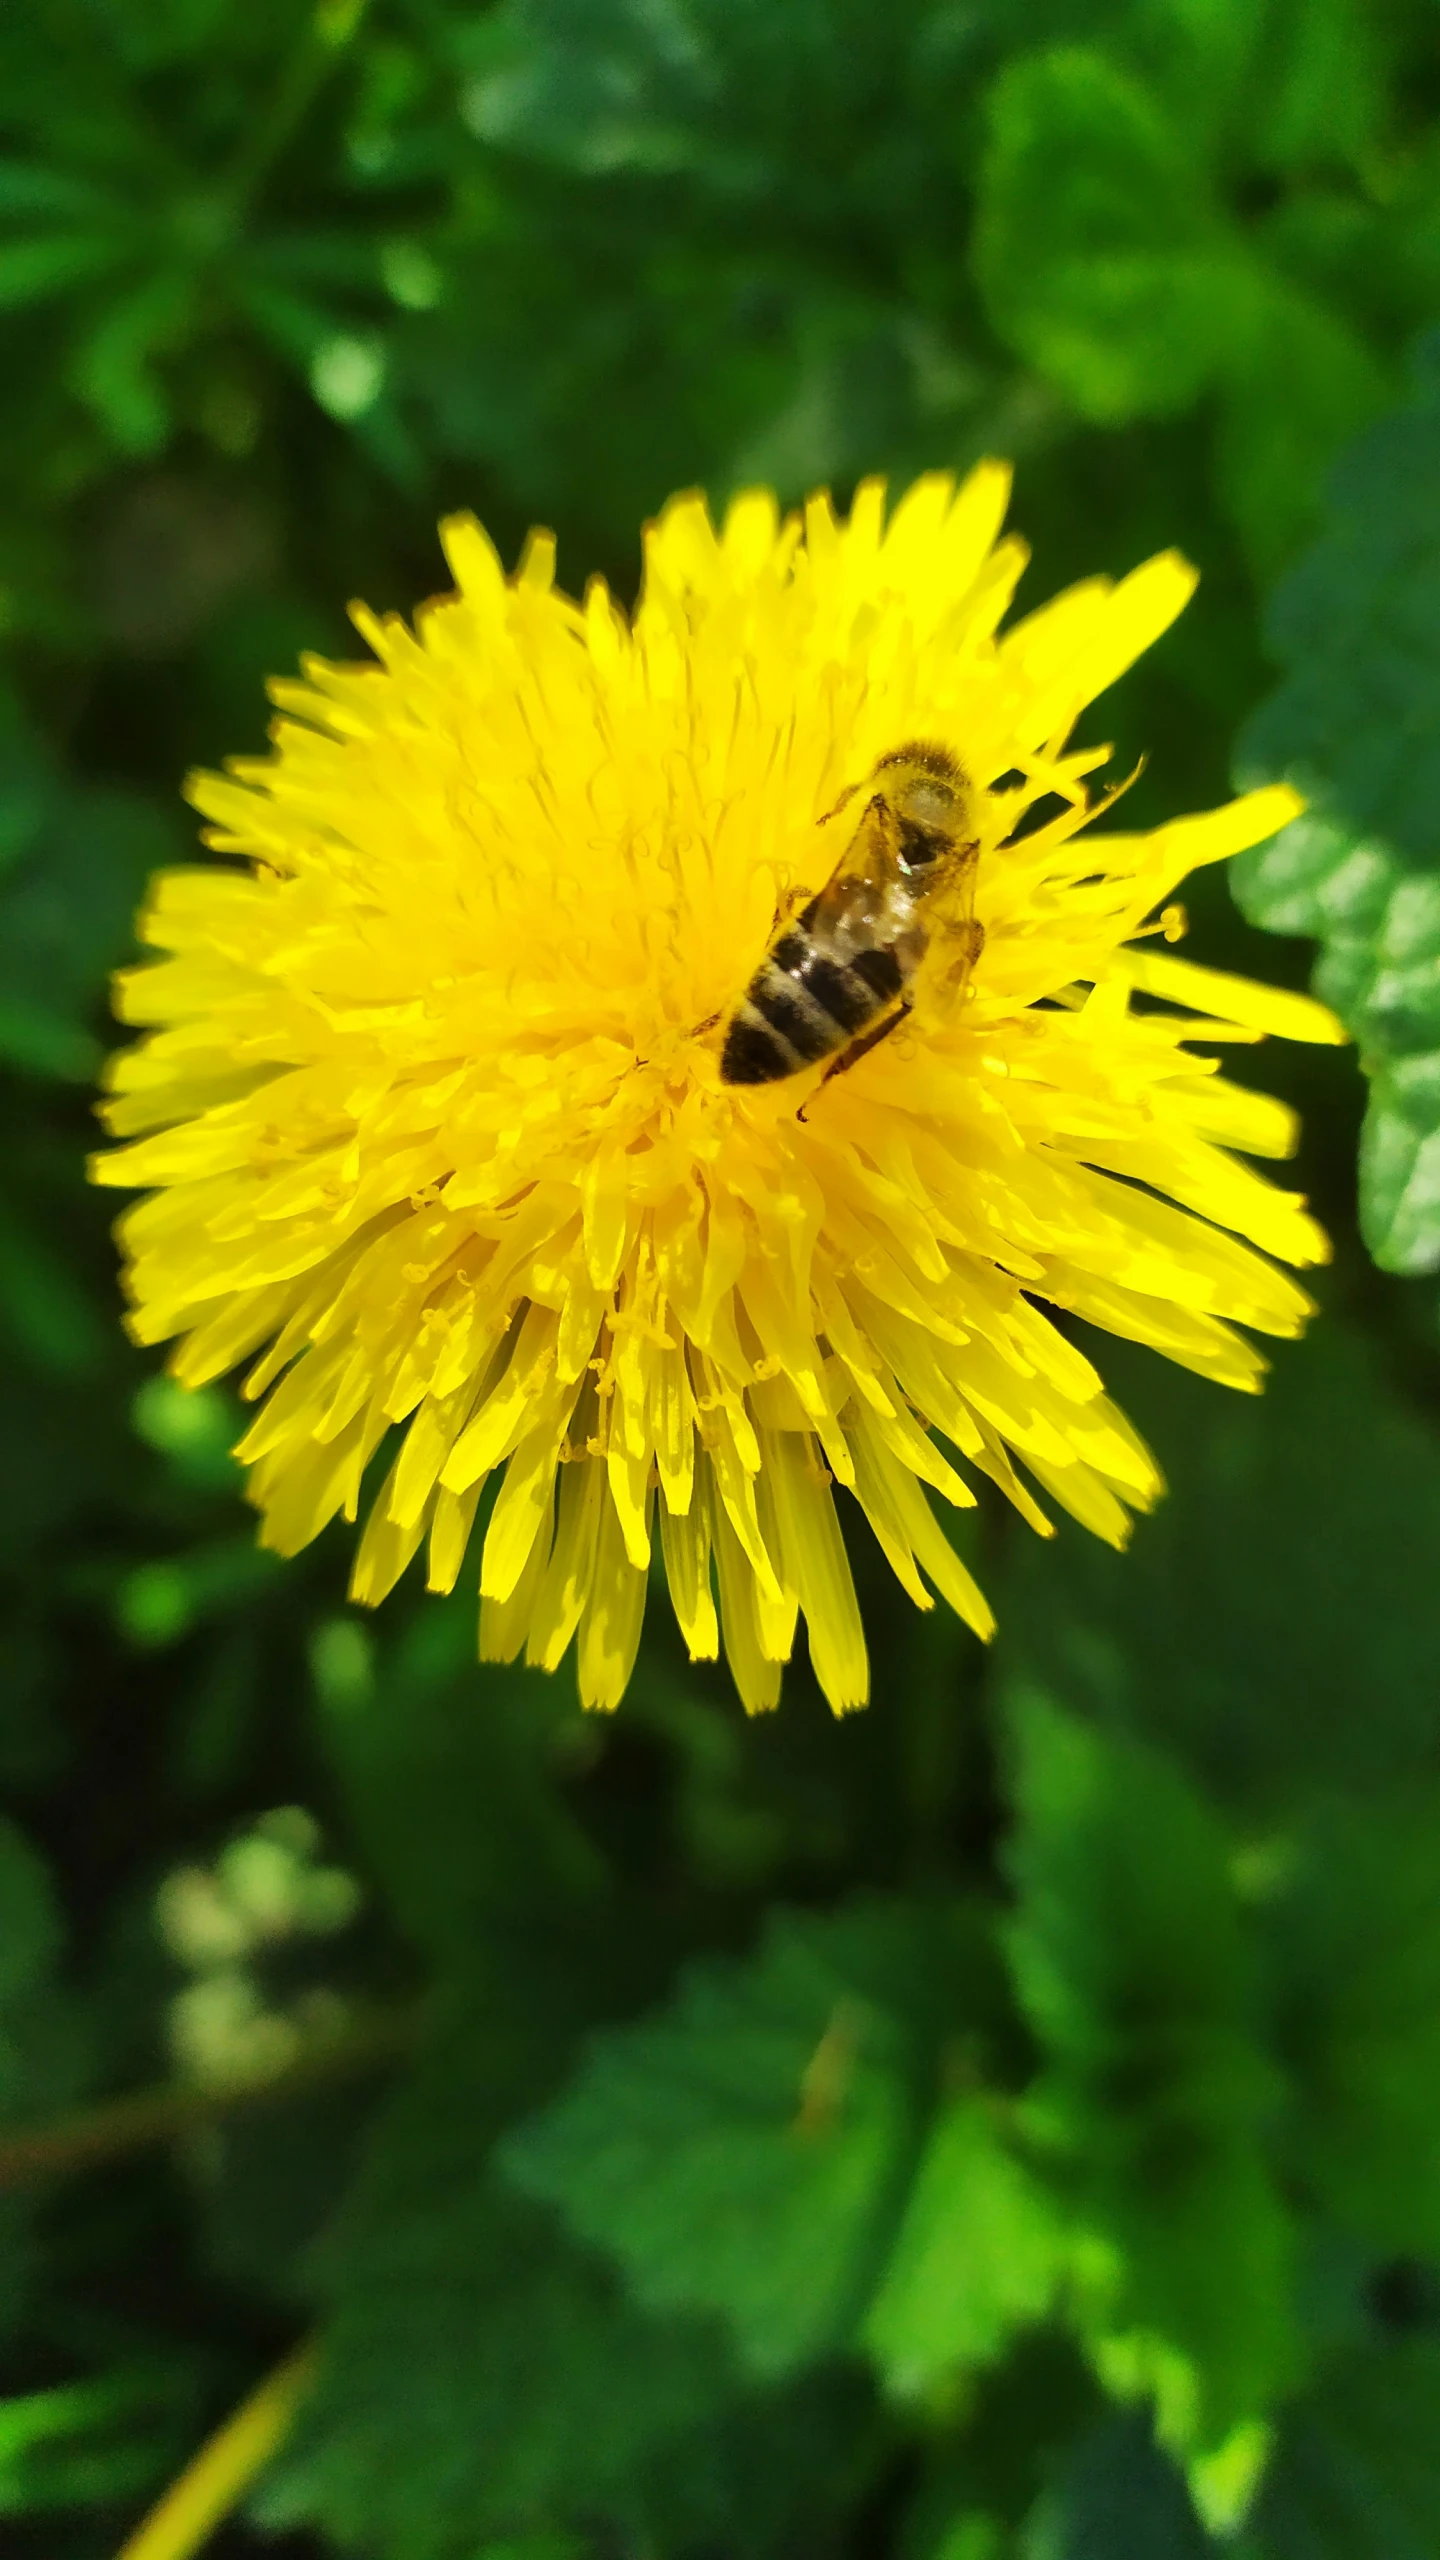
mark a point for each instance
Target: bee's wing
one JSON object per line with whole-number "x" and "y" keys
{"x": 866, "y": 872}
{"x": 956, "y": 938}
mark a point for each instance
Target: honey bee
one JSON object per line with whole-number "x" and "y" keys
{"x": 837, "y": 977}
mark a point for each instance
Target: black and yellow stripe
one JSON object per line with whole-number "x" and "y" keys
{"x": 802, "y": 1006}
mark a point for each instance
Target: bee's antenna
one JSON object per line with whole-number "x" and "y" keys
{"x": 843, "y": 802}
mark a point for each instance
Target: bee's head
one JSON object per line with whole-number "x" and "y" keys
{"x": 929, "y": 795}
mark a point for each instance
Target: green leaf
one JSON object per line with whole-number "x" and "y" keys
{"x": 1400, "y": 1166}
{"x": 114, "y": 366}
{"x": 44, "y": 1307}
{"x": 821, "y": 108}
{"x": 1356, "y": 722}
{"x": 40, "y": 2047}
{"x": 1200, "y": 63}
{"x": 1378, "y": 919}
{"x": 979, "y": 2254}
{"x": 1356, "y": 2475}
{"x": 1354, "y": 1922}
{"x": 1115, "y": 2498}
{"x": 33, "y": 271}
{"x": 1299, "y": 88}
{"x": 294, "y": 324}
{"x": 195, "y": 1428}
{"x": 482, "y": 2378}
{"x": 453, "y": 1775}
{"x": 73, "y": 862}
{"x": 1110, "y": 263}
{"x": 748, "y": 2150}
{"x": 989, "y": 2460}
{"x": 161, "y": 1601}
{"x": 28, "y": 187}
{"x": 967, "y": 2535}
{"x": 1274, "y": 1621}
{"x": 1367, "y": 598}
{"x": 40, "y": 2029}
{"x": 1320, "y": 68}
{"x": 1100, "y": 255}
{"x": 267, "y": 2184}
{"x": 543, "y": 2545}
{"x": 1156, "y": 2096}
{"x": 1298, "y": 382}
{"x": 35, "y": 1040}
{"x": 29, "y": 1931}
{"x": 26, "y": 787}
{"x": 95, "y": 2443}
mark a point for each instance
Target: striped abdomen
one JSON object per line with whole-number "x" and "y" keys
{"x": 805, "y": 1003}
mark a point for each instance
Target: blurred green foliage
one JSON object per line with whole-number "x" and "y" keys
{"x": 1000, "y": 2127}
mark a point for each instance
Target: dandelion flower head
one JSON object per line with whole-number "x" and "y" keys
{"x": 430, "y": 1114}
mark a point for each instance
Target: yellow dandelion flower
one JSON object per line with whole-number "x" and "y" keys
{"x": 432, "y": 1116}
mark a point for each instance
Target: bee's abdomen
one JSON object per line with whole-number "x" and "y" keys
{"x": 802, "y": 1006}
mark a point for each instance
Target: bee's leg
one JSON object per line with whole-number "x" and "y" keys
{"x": 964, "y": 943}
{"x": 967, "y": 941}
{"x": 954, "y": 952}
{"x": 852, "y": 1056}
{"x": 796, "y": 901}
{"x": 868, "y": 1040}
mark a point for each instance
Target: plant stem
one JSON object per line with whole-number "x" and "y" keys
{"x": 89, "y": 2135}
{"x": 225, "y": 2467}
{"x": 313, "y": 57}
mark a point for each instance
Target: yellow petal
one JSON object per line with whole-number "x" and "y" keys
{"x": 1277, "y": 1009}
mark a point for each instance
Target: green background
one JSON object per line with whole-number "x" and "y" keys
{"x": 1005, "y": 2126}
